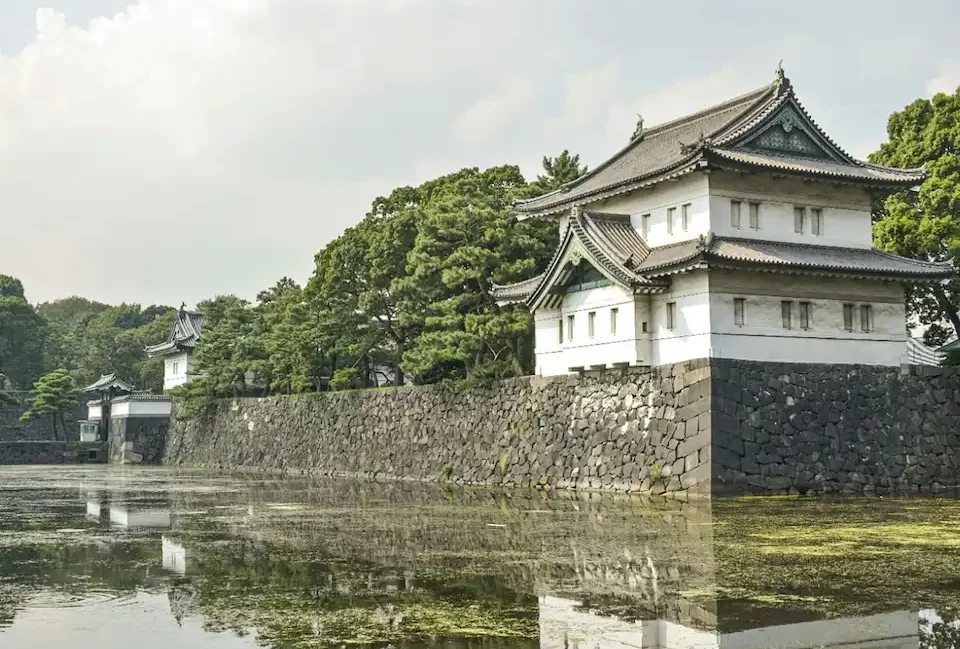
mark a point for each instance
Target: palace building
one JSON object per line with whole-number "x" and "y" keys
{"x": 177, "y": 349}
{"x": 742, "y": 231}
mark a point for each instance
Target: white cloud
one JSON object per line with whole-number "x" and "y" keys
{"x": 675, "y": 100}
{"x": 947, "y": 79}
{"x": 183, "y": 149}
{"x": 590, "y": 91}
{"x": 487, "y": 116}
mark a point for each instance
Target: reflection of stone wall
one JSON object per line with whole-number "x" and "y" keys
{"x": 851, "y": 429}
{"x": 631, "y": 430}
{"x": 34, "y": 452}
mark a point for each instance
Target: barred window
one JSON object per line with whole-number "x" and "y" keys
{"x": 799, "y": 216}
{"x": 804, "y": 315}
{"x": 735, "y": 214}
{"x": 739, "y": 305}
{"x": 786, "y": 314}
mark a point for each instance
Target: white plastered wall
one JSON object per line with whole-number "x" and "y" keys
{"x": 583, "y": 350}
{"x": 175, "y": 369}
{"x": 692, "y": 190}
{"x": 846, "y": 210}
{"x": 763, "y": 336}
{"x": 690, "y": 336}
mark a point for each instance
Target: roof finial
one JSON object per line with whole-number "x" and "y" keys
{"x": 778, "y": 76}
{"x": 638, "y": 129}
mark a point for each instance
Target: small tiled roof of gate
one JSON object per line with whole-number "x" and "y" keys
{"x": 707, "y": 138}
{"x": 786, "y": 256}
{"x": 107, "y": 381}
{"x": 186, "y": 332}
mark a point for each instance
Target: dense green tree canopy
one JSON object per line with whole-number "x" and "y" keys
{"x": 22, "y": 335}
{"x": 926, "y": 224}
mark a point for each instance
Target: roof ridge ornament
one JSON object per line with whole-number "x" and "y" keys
{"x": 638, "y": 129}
{"x": 780, "y": 80}
{"x": 701, "y": 142}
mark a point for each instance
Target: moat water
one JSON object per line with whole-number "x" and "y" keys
{"x": 152, "y": 558}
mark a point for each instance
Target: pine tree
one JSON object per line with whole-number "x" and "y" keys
{"x": 52, "y": 395}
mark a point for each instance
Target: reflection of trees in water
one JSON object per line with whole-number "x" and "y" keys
{"x": 410, "y": 565}
{"x": 940, "y": 630}
{"x": 307, "y": 563}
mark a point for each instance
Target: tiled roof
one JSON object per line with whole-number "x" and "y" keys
{"x": 517, "y": 292}
{"x": 108, "y": 381}
{"x": 818, "y": 167}
{"x": 793, "y": 256}
{"x": 187, "y": 329}
{"x": 610, "y": 243}
{"x": 919, "y": 354}
{"x": 720, "y": 136}
{"x": 658, "y": 149}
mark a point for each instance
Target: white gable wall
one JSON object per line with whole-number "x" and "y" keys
{"x": 846, "y": 210}
{"x": 175, "y": 369}
{"x": 604, "y": 347}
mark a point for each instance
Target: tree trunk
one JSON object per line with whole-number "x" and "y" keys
{"x": 54, "y": 417}
{"x": 397, "y": 368}
{"x": 949, "y": 310}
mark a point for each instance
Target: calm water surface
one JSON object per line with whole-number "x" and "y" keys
{"x": 111, "y": 558}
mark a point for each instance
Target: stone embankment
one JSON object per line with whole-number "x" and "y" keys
{"x": 626, "y": 430}
{"x": 698, "y": 428}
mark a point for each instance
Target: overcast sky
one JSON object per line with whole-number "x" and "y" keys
{"x": 173, "y": 150}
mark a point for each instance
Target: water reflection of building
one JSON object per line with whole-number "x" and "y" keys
{"x": 564, "y": 624}
{"x": 122, "y": 511}
{"x": 174, "y": 556}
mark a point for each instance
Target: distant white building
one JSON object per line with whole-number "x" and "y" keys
{"x": 742, "y": 231}
{"x": 177, "y": 350}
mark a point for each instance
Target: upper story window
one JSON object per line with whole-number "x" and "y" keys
{"x": 866, "y": 318}
{"x": 613, "y": 321}
{"x": 671, "y": 214}
{"x": 805, "y": 315}
{"x": 848, "y": 317}
{"x": 569, "y": 328}
{"x": 735, "y": 214}
{"x": 786, "y": 314}
{"x": 754, "y": 216}
{"x": 739, "y": 307}
{"x": 671, "y": 315}
{"x": 799, "y": 219}
{"x": 645, "y": 226}
{"x": 816, "y": 222}
{"x": 685, "y": 216}
{"x": 560, "y": 331}
{"x": 591, "y": 323}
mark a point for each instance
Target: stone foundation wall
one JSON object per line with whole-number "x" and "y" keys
{"x": 638, "y": 429}
{"x": 793, "y": 428}
{"x": 703, "y": 427}
{"x": 136, "y": 440}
